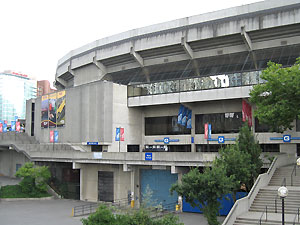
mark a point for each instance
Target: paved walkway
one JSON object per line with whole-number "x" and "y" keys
{"x": 57, "y": 211}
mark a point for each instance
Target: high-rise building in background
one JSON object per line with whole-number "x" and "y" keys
{"x": 15, "y": 89}
{"x": 43, "y": 88}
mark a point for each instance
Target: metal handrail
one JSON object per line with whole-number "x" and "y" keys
{"x": 294, "y": 170}
{"x": 283, "y": 183}
{"x": 296, "y": 215}
{"x": 265, "y": 211}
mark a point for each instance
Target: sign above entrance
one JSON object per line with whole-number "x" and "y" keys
{"x": 167, "y": 140}
{"x": 221, "y": 139}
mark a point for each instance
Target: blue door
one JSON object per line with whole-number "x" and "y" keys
{"x": 158, "y": 182}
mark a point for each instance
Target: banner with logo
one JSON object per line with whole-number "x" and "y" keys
{"x": 60, "y": 108}
{"x": 56, "y": 136}
{"x": 189, "y": 119}
{"x": 122, "y": 138}
{"x": 52, "y": 110}
{"x": 247, "y": 112}
{"x": 44, "y": 112}
{"x": 117, "y": 134}
{"x": 18, "y": 126}
{"x": 184, "y": 116}
{"x": 181, "y": 109}
{"x": 13, "y": 126}
{"x": 51, "y": 136}
{"x": 4, "y": 128}
{"x": 1, "y": 127}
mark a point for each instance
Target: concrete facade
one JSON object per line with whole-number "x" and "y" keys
{"x": 120, "y": 81}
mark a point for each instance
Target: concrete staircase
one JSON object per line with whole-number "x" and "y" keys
{"x": 267, "y": 196}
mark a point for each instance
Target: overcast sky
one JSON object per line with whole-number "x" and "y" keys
{"x": 35, "y": 34}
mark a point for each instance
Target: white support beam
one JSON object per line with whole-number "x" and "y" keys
{"x": 137, "y": 57}
{"x": 246, "y": 39}
{"x": 71, "y": 71}
{"x": 187, "y": 48}
{"x": 100, "y": 66}
{"x": 248, "y": 43}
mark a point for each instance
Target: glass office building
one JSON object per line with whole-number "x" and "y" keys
{"x": 15, "y": 89}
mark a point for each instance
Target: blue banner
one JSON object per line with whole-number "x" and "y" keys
{"x": 209, "y": 131}
{"x": 181, "y": 109}
{"x": 189, "y": 119}
{"x": 118, "y": 134}
{"x": 13, "y": 126}
{"x": 184, "y": 116}
{"x": 4, "y": 128}
{"x": 56, "y": 136}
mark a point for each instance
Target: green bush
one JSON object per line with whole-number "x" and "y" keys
{"x": 15, "y": 191}
{"x": 104, "y": 216}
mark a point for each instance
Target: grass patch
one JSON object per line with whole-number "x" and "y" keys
{"x": 15, "y": 191}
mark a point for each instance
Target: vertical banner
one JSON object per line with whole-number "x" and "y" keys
{"x": 1, "y": 127}
{"x": 13, "y": 125}
{"x": 44, "y": 112}
{"x": 122, "y": 138}
{"x": 51, "y": 136}
{"x": 184, "y": 116}
{"x": 206, "y": 131}
{"x": 4, "y": 128}
{"x": 18, "y": 126}
{"x": 60, "y": 108}
{"x": 189, "y": 119}
{"x": 181, "y": 109}
{"x": 52, "y": 110}
{"x": 247, "y": 112}
{"x": 117, "y": 134}
{"x": 209, "y": 131}
{"x": 56, "y": 136}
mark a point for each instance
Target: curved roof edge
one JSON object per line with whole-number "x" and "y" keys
{"x": 180, "y": 23}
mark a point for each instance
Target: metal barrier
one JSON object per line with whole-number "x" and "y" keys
{"x": 296, "y": 215}
{"x": 294, "y": 170}
{"x": 87, "y": 209}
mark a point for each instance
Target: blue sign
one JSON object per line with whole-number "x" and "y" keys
{"x": 209, "y": 131}
{"x": 286, "y": 138}
{"x": 148, "y": 156}
{"x": 56, "y": 136}
{"x": 92, "y": 143}
{"x": 192, "y": 140}
{"x": 118, "y": 134}
{"x": 221, "y": 140}
{"x": 166, "y": 140}
{"x": 4, "y": 128}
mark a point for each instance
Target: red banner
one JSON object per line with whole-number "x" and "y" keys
{"x": 18, "y": 126}
{"x": 1, "y": 127}
{"x": 51, "y": 136}
{"x": 247, "y": 112}
{"x": 122, "y": 134}
{"x": 206, "y": 131}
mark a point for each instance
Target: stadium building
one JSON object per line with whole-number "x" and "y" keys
{"x": 112, "y": 127}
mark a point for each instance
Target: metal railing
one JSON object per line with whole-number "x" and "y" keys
{"x": 294, "y": 171}
{"x": 283, "y": 183}
{"x": 163, "y": 209}
{"x": 87, "y": 209}
{"x": 296, "y": 216}
{"x": 264, "y": 212}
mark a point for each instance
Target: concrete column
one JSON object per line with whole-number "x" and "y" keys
{"x": 288, "y": 148}
{"x": 132, "y": 185}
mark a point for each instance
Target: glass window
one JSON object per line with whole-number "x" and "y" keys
{"x": 166, "y": 125}
{"x": 261, "y": 128}
{"x": 208, "y": 148}
{"x": 297, "y": 125}
{"x": 270, "y": 147}
{"x": 133, "y": 148}
{"x": 220, "y": 122}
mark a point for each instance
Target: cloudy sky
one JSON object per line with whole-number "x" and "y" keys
{"x": 35, "y": 34}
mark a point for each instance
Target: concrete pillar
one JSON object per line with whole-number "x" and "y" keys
{"x": 288, "y": 148}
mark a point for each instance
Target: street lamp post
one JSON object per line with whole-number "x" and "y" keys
{"x": 282, "y": 192}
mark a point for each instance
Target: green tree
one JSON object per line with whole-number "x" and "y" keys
{"x": 278, "y": 100}
{"x": 205, "y": 187}
{"x": 247, "y": 143}
{"x": 237, "y": 164}
{"x": 34, "y": 178}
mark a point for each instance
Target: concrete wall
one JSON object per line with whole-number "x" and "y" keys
{"x": 8, "y": 160}
{"x": 88, "y": 115}
{"x": 89, "y": 181}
